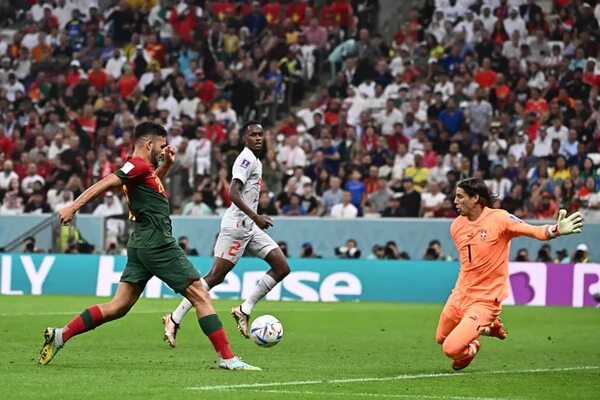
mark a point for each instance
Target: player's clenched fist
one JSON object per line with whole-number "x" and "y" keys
{"x": 66, "y": 215}
{"x": 168, "y": 154}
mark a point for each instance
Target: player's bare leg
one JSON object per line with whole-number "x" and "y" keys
{"x": 279, "y": 270}
{"x": 55, "y": 338}
{"x": 213, "y": 328}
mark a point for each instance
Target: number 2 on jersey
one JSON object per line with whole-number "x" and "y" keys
{"x": 234, "y": 248}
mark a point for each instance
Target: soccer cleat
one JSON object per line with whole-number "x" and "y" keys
{"x": 171, "y": 328}
{"x": 242, "y": 320}
{"x": 50, "y": 347}
{"x": 496, "y": 329}
{"x": 464, "y": 362}
{"x": 237, "y": 364}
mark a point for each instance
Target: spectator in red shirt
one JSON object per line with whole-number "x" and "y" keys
{"x": 537, "y": 103}
{"x": 73, "y": 76}
{"x": 205, "y": 88}
{"x": 271, "y": 10}
{"x": 372, "y": 181}
{"x": 296, "y": 10}
{"x": 127, "y": 82}
{"x": 289, "y": 126}
{"x": 214, "y": 130}
{"x": 485, "y": 76}
{"x": 97, "y": 76}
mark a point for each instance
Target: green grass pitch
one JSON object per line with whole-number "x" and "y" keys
{"x": 338, "y": 350}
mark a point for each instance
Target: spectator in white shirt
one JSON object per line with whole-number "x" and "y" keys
{"x": 63, "y": 199}
{"x": 367, "y": 88}
{"x": 512, "y": 48}
{"x": 292, "y": 155}
{"x": 494, "y": 144}
{"x": 499, "y": 185}
{"x": 569, "y": 146}
{"x": 226, "y": 115}
{"x": 517, "y": 149}
{"x": 307, "y": 114}
{"x": 557, "y": 130}
{"x": 431, "y": 199}
{"x": 514, "y": 22}
{"x": 403, "y": 160}
{"x": 199, "y": 150}
{"x": 445, "y": 86}
{"x": 437, "y": 173}
{"x": 57, "y": 146}
{"x": 453, "y": 159}
{"x": 30, "y": 179}
{"x": 114, "y": 65}
{"x": 487, "y": 18}
{"x": 389, "y": 117}
{"x": 167, "y": 102}
{"x": 111, "y": 207}
{"x": 189, "y": 105}
{"x": 542, "y": 144}
{"x": 197, "y": 207}
{"x": 7, "y": 174}
{"x": 12, "y": 87}
{"x": 345, "y": 209}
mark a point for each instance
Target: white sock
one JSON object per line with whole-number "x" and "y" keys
{"x": 58, "y": 337}
{"x": 181, "y": 310}
{"x": 264, "y": 286}
{"x": 185, "y": 305}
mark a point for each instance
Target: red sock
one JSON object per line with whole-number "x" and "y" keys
{"x": 219, "y": 341}
{"x": 86, "y": 321}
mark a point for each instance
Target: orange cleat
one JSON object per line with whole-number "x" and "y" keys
{"x": 464, "y": 362}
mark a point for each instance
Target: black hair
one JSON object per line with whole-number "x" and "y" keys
{"x": 473, "y": 186}
{"x": 148, "y": 128}
{"x": 247, "y": 125}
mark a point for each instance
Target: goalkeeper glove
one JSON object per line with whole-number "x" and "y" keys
{"x": 566, "y": 225}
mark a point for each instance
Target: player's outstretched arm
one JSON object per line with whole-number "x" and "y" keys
{"x": 235, "y": 194}
{"x": 564, "y": 226}
{"x": 67, "y": 213}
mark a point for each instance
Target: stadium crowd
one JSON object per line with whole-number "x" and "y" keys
{"x": 357, "y": 126}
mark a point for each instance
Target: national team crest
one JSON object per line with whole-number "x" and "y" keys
{"x": 483, "y": 235}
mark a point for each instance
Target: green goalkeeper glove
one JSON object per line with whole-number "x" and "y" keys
{"x": 567, "y": 225}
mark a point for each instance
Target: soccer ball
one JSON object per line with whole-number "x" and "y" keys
{"x": 266, "y": 331}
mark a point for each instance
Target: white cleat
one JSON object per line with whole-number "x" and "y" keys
{"x": 171, "y": 329}
{"x": 242, "y": 320}
{"x": 236, "y": 364}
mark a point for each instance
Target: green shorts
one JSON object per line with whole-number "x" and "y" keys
{"x": 167, "y": 262}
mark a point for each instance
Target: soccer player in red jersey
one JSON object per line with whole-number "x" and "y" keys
{"x": 151, "y": 251}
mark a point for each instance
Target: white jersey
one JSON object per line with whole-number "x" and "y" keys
{"x": 248, "y": 169}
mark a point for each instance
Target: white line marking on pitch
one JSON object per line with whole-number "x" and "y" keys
{"x": 35, "y": 314}
{"x": 389, "y": 378}
{"x": 380, "y": 395}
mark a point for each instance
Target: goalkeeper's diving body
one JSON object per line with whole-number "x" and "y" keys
{"x": 482, "y": 237}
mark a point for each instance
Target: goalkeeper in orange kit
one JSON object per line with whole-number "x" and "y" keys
{"x": 482, "y": 237}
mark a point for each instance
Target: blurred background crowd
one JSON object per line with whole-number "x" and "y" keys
{"x": 359, "y": 124}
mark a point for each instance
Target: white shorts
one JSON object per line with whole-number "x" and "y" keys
{"x": 235, "y": 238}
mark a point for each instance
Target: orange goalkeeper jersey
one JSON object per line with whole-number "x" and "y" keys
{"x": 483, "y": 248}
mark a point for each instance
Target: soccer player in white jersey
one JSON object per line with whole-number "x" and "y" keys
{"x": 241, "y": 229}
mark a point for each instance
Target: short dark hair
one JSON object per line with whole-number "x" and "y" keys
{"x": 247, "y": 125}
{"x": 148, "y": 128}
{"x": 473, "y": 186}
